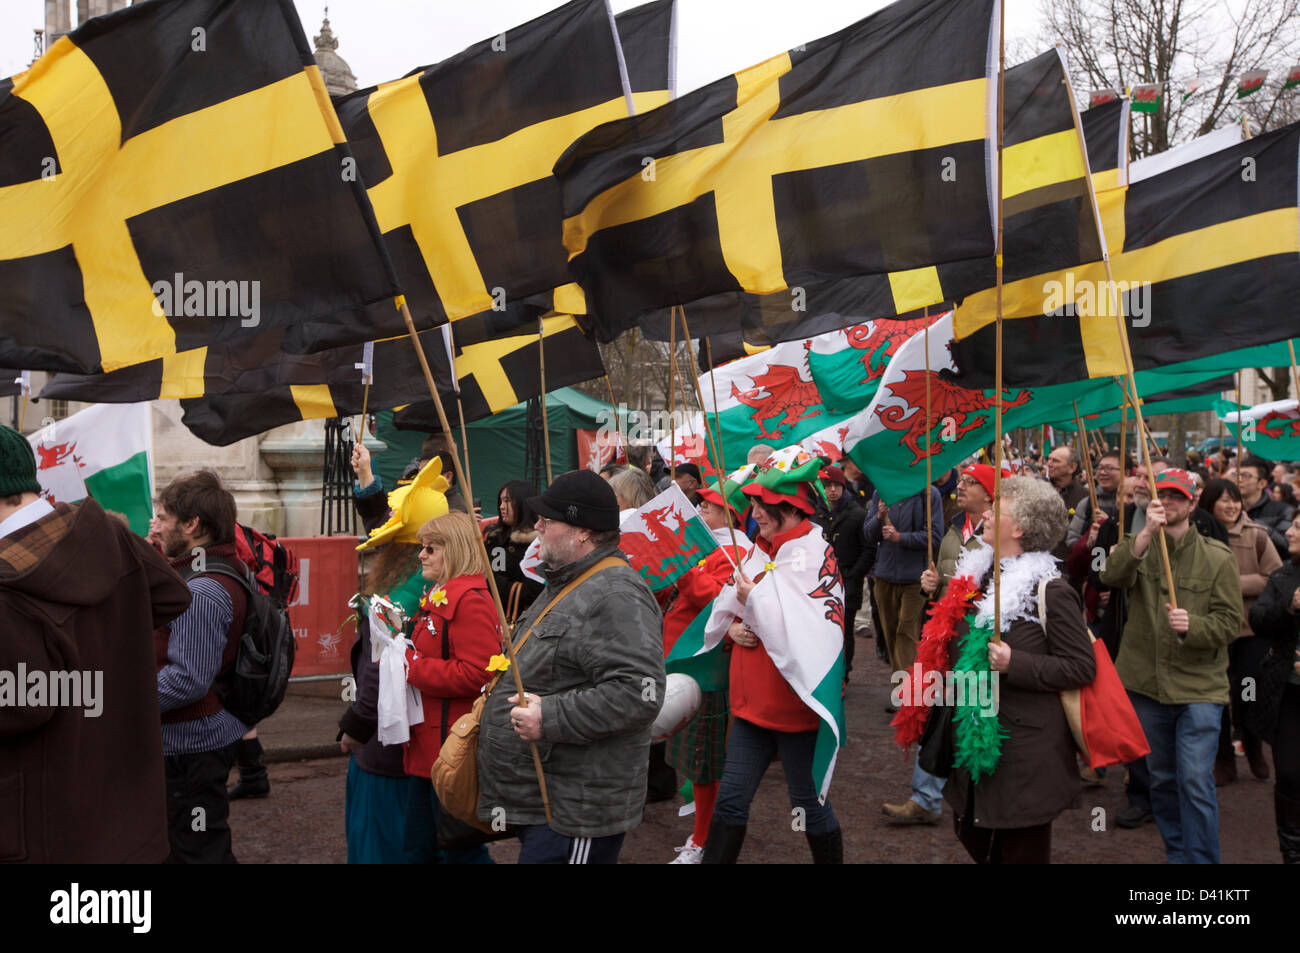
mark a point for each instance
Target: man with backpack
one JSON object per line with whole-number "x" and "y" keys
{"x": 195, "y": 655}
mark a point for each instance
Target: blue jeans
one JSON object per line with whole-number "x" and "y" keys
{"x": 1183, "y": 739}
{"x": 927, "y": 789}
{"x": 749, "y": 751}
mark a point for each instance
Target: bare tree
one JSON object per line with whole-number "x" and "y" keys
{"x": 1124, "y": 43}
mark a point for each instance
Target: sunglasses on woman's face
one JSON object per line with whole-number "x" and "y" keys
{"x": 427, "y": 549}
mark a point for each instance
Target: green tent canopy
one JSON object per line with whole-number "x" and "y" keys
{"x": 497, "y": 443}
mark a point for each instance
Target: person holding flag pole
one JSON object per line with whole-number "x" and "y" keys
{"x": 783, "y": 613}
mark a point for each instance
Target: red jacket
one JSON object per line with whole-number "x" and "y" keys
{"x": 759, "y": 693}
{"x": 695, "y": 590}
{"x": 468, "y": 621}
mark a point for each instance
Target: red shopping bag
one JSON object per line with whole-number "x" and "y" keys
{"x": 1105, "y": 727}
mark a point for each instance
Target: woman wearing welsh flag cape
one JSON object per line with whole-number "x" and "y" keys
{"x": 1013, "y": 767}
{"x": 783, "y": 613}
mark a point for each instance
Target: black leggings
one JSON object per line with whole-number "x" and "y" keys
{"x": 1286, "y": 744}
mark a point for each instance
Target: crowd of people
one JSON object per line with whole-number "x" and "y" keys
{"x": 1211, "y": 668}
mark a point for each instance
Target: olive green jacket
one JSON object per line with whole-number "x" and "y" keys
{"x": 1153, "y": 660}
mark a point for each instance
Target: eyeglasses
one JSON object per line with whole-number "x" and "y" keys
{"x": 427, "y": 549}
{"x": 1106, "y": 467}
{"x": 1172, "y": 496}
{"x": 545, "y": 522}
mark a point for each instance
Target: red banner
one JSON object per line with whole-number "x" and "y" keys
{"x": 323, "y": 624}
{"x": 599, "y": 447}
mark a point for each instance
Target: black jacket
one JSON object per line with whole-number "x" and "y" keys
{"x": 1275, "y": 517}
{"x": 842, "y": 528}
{"x": 1273, "y": 619}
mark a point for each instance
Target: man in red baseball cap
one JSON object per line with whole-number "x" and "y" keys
{"x": 1174, "y": 661}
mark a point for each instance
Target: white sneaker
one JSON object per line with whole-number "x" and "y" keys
{"x": 688, "y": 853}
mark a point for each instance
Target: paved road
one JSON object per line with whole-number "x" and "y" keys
{"x": 302, "y": 820}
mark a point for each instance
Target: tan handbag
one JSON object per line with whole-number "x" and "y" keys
{"x": 455, "y": 772}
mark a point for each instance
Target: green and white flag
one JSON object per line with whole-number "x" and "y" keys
{"x": 104, "y": 452}
{"x": 665, "y": 538}
{"x": 1270, "y": 431}
{"x": 797, "y": 611}
{"x": 847, "y": 365}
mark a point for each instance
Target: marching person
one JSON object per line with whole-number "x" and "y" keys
{"x": 1275, "y": 617}
{"x": 593, "y": 669}
{"x": 1109, "y": 477}
{"x": 379, "y": 790}
{"x": 456, "y": 635}
{"x": 699, "y": 750}
{"x": 508, "y": 540}
{"x": 842, "y": 526}
{"x": 200, "y": 738}
{"x": 1006, "y": 817}
{"x": 769, "y": 706}
{"x": 81, "y": 592}
{"x": 1174, "y": 662}
{"x": 1257, "y": 559}
{"x": 900, "y": 532}
{"x": 974, "y": 496}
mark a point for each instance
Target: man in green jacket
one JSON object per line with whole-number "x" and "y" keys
{"x": 1174, "y": 662}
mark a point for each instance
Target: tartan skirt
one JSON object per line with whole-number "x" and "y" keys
{"x": 699, "y": 751}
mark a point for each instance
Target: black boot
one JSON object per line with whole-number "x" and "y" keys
{"x": 827, "y": 848}
{"x": 1288, "y": 826}
{"x": 253, "y": 781}
{"x": 723, "y": 846}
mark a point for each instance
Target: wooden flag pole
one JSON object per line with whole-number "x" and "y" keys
{"x": 997, "y": 372}
{"x": 506, "y": 640}
{"x": 1123, "y": 429}
{"x": 449, "y": 341}
{"x": 929, "y": 425}
{"x": 1087, "y": 463}
{"x": 714, "y": 433}
{"x": 1295, "y": 375}
{"x": 546, "y": 427}
{"x": 1113, "y": 297}
{"x": 672, "y": 394}
{"x": 1239, "y": 457}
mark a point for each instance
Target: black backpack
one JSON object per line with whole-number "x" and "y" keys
{"x": 264, "y": 658}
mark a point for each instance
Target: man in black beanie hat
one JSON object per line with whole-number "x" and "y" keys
{"x": 80, "y": 596}
{"x": 593, "y": 669}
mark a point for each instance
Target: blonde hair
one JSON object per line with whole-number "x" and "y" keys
{"x": 457, "y": 534}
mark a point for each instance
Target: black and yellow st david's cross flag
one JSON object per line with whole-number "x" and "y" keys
{"x": 1205, "y": 258}
{"x": 171, "y": 177}
{"x": 867, "y": 152}
{"x": 1049, "y": 223}
{"x": 458, "y": 156}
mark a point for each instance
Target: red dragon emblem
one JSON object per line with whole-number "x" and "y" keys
{"x": 51, "y": 457}
{"x": 1276, "y": 425}
{"x": 881, "y": 339}
{"x": 661, "y": 551}
{"x": 828, "y": 577}
{"x": 788, "y": 396}
{"x": 949, "y": 402}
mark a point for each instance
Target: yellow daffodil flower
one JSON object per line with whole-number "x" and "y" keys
{"x": 498, "y": 663}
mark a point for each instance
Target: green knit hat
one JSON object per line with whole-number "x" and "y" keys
{"x": 17, "y": 464}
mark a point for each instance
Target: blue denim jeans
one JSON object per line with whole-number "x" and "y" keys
{"x": 927, "y": 789}
{"x": 1183, "y": 739}
{"x": 749, "y": 752}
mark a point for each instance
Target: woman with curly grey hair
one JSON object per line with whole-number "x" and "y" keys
{"x": 1006, "y": 816}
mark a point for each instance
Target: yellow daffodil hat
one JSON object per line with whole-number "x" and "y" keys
{"x": 413, "y": 505}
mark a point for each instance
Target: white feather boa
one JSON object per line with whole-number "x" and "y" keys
{"x": 1019, "y": 584}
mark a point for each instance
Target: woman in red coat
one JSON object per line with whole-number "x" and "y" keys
{"x": 456, "y": 634}
{"x": 699, "y": 750}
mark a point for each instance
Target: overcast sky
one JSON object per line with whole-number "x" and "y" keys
{"x": 384, "y": 39}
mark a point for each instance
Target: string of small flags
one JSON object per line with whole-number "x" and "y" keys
{"x": 1145, "y": 97}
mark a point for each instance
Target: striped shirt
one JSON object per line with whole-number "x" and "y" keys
{"x": 198, "y": 638}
